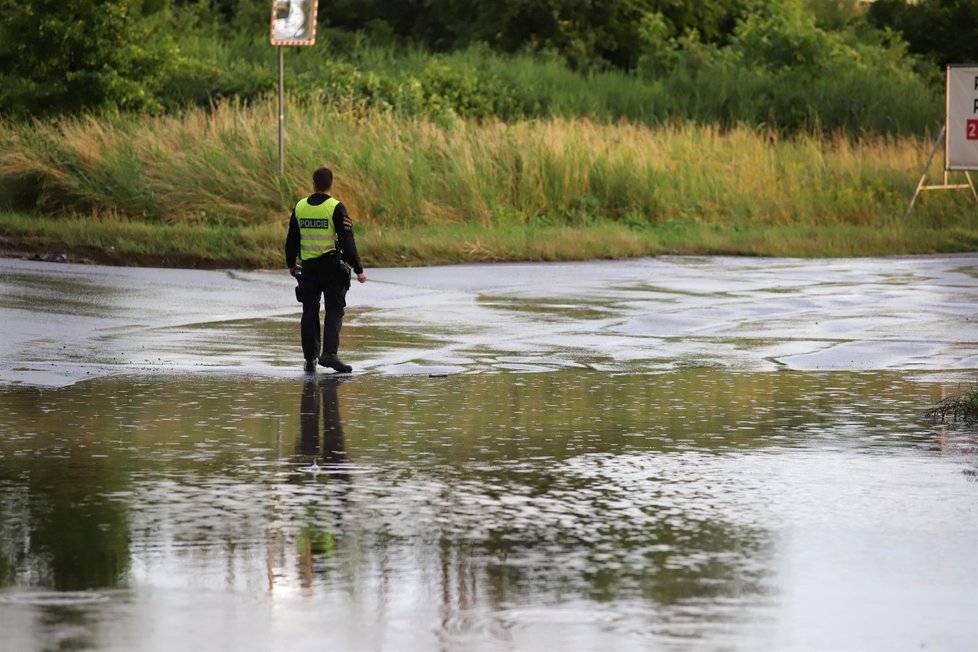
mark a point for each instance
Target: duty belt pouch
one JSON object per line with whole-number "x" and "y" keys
{"x": 346, "y": 273}
{"x": 298, "y": 287}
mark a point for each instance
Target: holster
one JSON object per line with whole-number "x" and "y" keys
{"x": 346, "y": 272}
{"x": 298, "y": 287}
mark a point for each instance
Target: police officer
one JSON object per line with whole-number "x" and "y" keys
{"x": 321, "y": 236}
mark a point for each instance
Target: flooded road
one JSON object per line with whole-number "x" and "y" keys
{"x": 64, "y": 323}
{"x": 688, "y": 454}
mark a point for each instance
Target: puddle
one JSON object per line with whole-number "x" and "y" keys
{"x": 674, "y": 453}
{"x": 698, "y": 508}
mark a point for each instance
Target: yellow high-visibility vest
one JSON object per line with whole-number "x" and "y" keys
{"x": 316, "y": 231}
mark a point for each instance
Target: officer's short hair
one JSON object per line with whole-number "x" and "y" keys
{"x": 322, "y": 179}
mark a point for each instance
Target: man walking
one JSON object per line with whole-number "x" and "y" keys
{"x": 321, "y": 236}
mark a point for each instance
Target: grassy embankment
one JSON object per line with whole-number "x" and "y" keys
{"x": 202, "y": 188}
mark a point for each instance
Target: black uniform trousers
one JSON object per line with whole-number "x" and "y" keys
{"x": 327, "y": 276}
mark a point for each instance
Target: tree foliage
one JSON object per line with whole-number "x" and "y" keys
{"x": 790, "y": 64}
{"x": 946, "y": 31}
{"x": 585, "y": 32}
{"x": 73, "y": 55}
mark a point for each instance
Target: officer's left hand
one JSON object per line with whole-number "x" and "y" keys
{"x": 362, "y": 277}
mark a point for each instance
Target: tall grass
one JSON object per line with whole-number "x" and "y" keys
{"x": 220, "y": 167}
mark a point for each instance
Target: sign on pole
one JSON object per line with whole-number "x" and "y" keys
{"x": 960, "y": 133}
{"x": 293, "y": 23}
{"x": 961, "y": 141}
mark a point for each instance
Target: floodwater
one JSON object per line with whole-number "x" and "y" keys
{"x": 678, "y": 454}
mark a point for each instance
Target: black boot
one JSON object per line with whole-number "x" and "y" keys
{"x": 333, "y": 361}
{"x": 311, "y": 365}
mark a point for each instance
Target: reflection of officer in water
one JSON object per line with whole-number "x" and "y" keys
{"x": 317, "y": 539}
{"x": 322, "y": 398}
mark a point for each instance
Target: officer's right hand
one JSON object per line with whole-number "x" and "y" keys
{"x": 362, "y": 277}
{"x": 294, "y": 270}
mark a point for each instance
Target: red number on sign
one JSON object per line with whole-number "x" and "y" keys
{"x": 971, "y": 128}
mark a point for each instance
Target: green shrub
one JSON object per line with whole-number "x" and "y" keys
{"x": 70, "y": 56}
{"x": 782, "y": 71}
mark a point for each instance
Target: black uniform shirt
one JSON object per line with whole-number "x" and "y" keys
{"x": 344, "y": 231}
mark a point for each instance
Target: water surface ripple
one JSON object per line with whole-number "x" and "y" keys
{"x": 693, "y": 509}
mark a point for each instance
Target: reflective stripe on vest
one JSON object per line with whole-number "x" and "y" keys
{"x": 316, "y": 232}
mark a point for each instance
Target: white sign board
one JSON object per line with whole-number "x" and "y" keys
{"x": 294, "y": 22}
{"x": 961, "y": 141}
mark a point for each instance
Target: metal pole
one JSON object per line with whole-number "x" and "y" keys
{"x": 281, "y": 111}
{"x": 967, "y": 175}
{"x": 923, "y": 176}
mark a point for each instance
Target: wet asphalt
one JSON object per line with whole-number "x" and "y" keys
{"x": 62, "y": 323}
